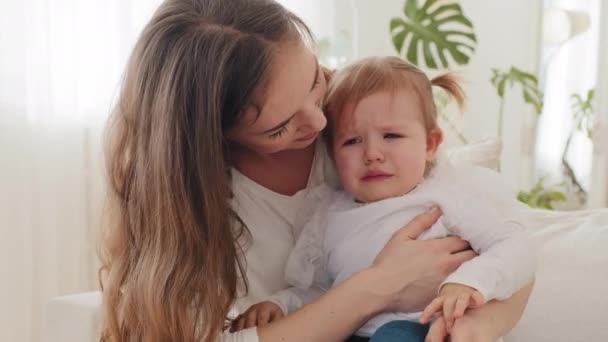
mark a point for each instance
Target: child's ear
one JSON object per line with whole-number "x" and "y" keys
{"x": 434, "y": 138}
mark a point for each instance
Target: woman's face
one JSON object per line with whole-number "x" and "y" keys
{"x": 286, "y": 113}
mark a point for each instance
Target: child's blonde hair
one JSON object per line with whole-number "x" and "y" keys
{"x": 350, "y": 85}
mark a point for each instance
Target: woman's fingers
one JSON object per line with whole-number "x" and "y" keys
{"x": 437, "y": 331}
{"x": 419, "y": 224}
{"x": 463, "y": 256}
{"x": 453, "y": 244}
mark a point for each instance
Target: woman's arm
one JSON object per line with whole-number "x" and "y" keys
{"x": 499, "y": 317}
{"x": 333, "y": 316}
{"x": 404, "y": 277}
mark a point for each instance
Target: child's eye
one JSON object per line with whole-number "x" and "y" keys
{"x": 392, "y": 136}
{"x": 279, "y": 133}
{"x": 351, "y": 141}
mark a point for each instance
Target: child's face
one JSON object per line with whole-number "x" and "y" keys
{"x": 382, "y": 147}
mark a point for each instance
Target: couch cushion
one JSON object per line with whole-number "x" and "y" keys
{"x": 569, "y": 301}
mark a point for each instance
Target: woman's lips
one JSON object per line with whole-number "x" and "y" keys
{"x": 309, "y": 136}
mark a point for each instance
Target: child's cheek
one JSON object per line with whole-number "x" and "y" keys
{"x": 346, "y": 170}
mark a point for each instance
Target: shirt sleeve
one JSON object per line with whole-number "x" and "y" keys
{"x": 478, "y": 208}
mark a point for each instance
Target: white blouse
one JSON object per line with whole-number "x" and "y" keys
{"x": 273, "y": 221}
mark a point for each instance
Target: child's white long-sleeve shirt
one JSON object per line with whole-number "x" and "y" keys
{"x": 344, "y": 237}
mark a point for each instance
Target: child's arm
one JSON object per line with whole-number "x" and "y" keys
{"x": 487, "y": 217}
{"x": 479, "y": 209}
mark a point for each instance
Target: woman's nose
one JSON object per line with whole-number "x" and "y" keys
{"x": 313, "y": 120}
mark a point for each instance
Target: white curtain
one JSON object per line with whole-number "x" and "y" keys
{"x": 599, "y": 195}
{"x": 60, "y": 67}
{"x": 569, "y": 68}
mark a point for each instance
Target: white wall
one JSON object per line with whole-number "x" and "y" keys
{"x": 507, "y": 35}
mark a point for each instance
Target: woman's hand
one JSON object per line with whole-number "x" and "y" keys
{"x": 409, "y": 271}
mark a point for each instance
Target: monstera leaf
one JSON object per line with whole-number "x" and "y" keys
{"x": 434, "y": 24}
{"x": 528, "y": 82}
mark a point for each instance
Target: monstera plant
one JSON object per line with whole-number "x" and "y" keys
{"x": 529, "y": 85}
{"x": 434, "y": 25}
{"x": 444, "y": 35}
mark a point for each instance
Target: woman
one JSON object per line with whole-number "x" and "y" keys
{"x": 211, "y": 154}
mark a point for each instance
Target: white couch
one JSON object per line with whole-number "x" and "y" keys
{"x": 569, "y": 302}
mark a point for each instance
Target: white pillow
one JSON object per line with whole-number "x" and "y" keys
{"x": 485, "y": 153}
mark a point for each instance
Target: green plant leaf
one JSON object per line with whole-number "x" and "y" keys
{"x": 584, "y": 115}
{"x": 528, "y": 82}
{"x": 425, "y": 26}
{"x": 541, "y": 196}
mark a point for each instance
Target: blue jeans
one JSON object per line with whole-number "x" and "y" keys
{"x": 400, "y": 331}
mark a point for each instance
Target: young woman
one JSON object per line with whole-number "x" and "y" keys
{"x": 212, "y": 149}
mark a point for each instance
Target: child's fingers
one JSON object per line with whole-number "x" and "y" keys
{"x": 462, "y": 303}
{"x": 263, "y": 317}
{"x": 430, "y": 309}
{"x": 275, "y": 314}
{"x": 240, "y": 324}
{"x": 448, "y": 313}
{"x": 251, "y": 319}
{"x": 437, "y": 331}
{"x": 478, "y": 299}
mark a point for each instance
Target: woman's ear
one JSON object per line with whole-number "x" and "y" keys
{"x": 328, "y": 73}
{"x": 434, "y": 138}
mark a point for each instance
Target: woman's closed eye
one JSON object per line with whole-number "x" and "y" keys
{"x": 279, "y": 133}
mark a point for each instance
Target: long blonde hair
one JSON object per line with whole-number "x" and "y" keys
{"x": 170, "y": 263}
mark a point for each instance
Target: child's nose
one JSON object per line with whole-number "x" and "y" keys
{"x": 373, "y": 153}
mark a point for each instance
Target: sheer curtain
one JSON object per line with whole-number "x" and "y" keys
{"x": 60, "y": 66}
{"x": 571, "y": 68}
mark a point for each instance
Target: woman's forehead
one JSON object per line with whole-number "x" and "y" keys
{"x": 293, "y": 73}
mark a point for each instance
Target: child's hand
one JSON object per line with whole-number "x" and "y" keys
{"x": 453, "y": 301}
{"x": 257, "y": 315}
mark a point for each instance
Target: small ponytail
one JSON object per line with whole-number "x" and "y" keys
{"x": 449, "y": 83}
